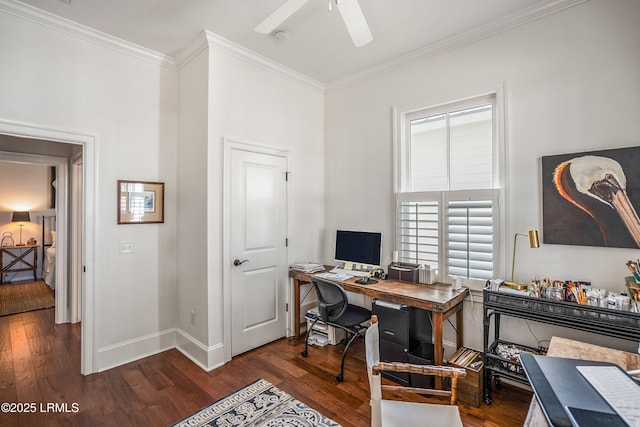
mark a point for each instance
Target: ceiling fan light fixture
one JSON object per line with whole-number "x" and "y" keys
{"x": 279, "y": 15}
{"x": 281, "y": 35}
{"x": 355, "y": 21}
{"x": 349, "y": 10}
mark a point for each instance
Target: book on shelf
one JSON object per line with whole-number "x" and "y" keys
{"x": 465, "y": 357}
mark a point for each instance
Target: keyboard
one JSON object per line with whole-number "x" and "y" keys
{"x": 358, "y": 273}
{"x": 617, "y": 389}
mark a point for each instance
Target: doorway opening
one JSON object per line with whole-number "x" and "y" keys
{"x": 73, "y": 156}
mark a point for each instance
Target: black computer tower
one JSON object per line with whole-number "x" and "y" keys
{"x": 406, "y": 335}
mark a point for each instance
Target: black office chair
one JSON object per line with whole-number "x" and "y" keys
{"x": 335, "y": 310}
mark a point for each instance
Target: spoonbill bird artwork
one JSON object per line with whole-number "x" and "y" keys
{"x": 592, "y": 198}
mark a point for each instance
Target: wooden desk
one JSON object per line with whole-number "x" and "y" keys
{"x": 18, "y": 260}
{"x": 438, "y": 298}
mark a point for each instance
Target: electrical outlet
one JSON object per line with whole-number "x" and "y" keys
{"x": 126, "y": 247}
{"x": 193, "y": 317}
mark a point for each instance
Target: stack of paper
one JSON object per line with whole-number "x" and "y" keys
{"x": 334, "y": 276}
{"x": 307, "y": 267}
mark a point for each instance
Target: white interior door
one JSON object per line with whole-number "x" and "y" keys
{"x": 257, "y": 248}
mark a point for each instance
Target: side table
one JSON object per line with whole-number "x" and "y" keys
{"x": 17, "y": 258}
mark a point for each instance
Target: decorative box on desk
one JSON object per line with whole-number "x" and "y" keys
{"x": 470, "y": 387}
{"x": 404, "y": 271}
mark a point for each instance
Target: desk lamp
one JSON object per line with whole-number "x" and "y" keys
{"x": 21, "y": 217}
{"x": 533, "y": 243}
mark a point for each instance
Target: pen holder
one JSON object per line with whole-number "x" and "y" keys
{"x": 634, "y": 287}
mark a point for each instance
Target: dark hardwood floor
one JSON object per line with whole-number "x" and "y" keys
{"x": 40, "y": 364}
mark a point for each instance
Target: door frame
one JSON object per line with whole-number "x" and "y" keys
{"x": 75, "y": 237}
{"x": 228, "y": 146}
{"x": 88, "y": 142}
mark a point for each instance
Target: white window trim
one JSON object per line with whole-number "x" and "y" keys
{"x": 400, "y": 114}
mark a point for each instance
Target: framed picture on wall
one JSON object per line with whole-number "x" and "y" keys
{"x": 140, "y": 202}
{"x": 592, "y": 198}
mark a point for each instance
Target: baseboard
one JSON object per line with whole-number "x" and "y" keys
{"x": 208, "y": 358}
{"x": 129, "y": 351}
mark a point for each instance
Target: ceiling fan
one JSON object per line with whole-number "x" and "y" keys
{"x": 349, "y": 9}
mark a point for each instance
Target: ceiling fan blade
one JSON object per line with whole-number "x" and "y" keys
{"x": 280, "y": 15}
{"x": 356, "y": 23}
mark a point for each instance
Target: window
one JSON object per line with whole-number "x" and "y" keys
{"x": 448, "y": 189}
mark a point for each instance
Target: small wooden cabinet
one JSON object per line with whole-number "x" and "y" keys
{"x": 18, "y": 258}
{"x": 470, "y": 387}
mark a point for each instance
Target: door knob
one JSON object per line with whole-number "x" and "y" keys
{"x": 237, "y": 262}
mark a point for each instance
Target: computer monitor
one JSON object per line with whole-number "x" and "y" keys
{"x": 360, "y": 247}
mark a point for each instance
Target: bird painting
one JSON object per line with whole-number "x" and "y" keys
{"x": 587, "y": 199}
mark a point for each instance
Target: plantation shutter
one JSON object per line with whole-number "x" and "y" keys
{"x": 418, "y": 232}
{"x": 470, "y": 238}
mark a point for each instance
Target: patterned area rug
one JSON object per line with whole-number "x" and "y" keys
{"x": 258, "y": 404}
{"x": 21, "y": 297}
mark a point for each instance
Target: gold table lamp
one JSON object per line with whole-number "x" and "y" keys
{"x": 533, "y": 243}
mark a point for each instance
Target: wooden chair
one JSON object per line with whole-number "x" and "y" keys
{"x": 389, "y": 413}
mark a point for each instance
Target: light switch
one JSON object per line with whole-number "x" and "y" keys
{"x": 126, "y": 247}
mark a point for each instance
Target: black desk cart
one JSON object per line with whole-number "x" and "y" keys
{"x": 599, "y": 320}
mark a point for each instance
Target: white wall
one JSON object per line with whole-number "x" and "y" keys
{"x": 247, "y": 100}
{"x": 192, "y": 200}
{"x": 28, "y": 189}
{"x": 254, "y": 105}
{"x": 53, "y": 79}
{"x": 128, "y": 100}
{"x": 571, "y": 83}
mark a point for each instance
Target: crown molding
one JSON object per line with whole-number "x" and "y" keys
{"x": 38, "y": 16}
{"x": 206, "y": 39}
{"x": 500, "y": 25}
{"x": 192, "y": 49}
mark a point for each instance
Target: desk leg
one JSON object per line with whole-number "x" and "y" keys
{"x": 296, "y": 308}
{"x": 459, "y": 329}
{"x": 35, "y": 263}
{"x": 437, "y": 345}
